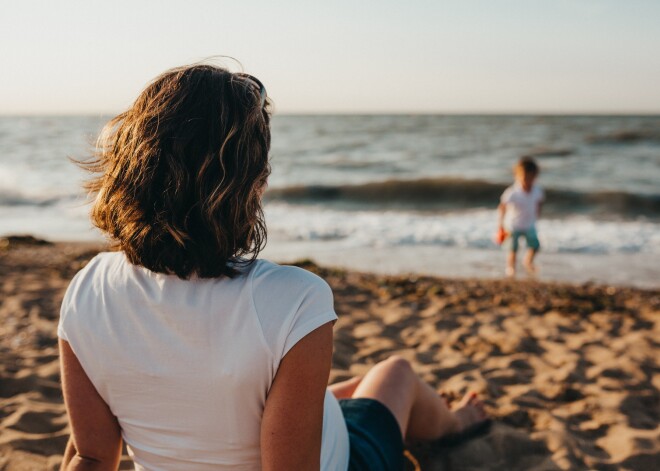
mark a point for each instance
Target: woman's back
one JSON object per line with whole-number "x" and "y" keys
{"x": 186, "y": 365}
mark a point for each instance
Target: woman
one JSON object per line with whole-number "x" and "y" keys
{"x": 186, "y": 346}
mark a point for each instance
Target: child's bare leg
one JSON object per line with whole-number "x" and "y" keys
{"x": 419, "y": 410}
{"x": 345, "y": 389}
{"x": 529, "y": 261}
{"x": 511, "y": 263}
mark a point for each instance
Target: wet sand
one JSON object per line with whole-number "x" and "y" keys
{"x": 638, "y": 270}
{"x": 570, "y": 373}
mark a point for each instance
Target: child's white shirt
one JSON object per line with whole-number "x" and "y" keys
{"x": 521, "y": 206}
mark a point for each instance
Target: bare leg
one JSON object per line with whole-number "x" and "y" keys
{"x": 529, "y": 261}
{"x": 511, "y": 264}
{"x": 470, "y": 411}
{"x": 419, "y": 410}
{"x": 345, "y": 389}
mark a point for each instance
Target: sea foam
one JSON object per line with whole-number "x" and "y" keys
{"x": 466, "y": 229}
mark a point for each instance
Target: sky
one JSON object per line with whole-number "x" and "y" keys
{"x": 340, "y": 56}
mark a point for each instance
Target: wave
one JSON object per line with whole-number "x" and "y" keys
{"x": 422, "y": 195}
{"x": 625, "y": 137}
{"x": 541, "y": 152}
{"x": 470, "y": 229}
{"x": 15, "y": 198}
{"x": 446, "y": 194}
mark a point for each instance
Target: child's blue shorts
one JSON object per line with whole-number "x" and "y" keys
{"x": 531, "y": 239}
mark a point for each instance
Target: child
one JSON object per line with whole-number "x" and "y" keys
{"x": 520, "y": 206}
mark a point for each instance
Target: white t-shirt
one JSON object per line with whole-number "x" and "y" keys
{"x": 521, "y": 206}
{"x": 185, "y": 365}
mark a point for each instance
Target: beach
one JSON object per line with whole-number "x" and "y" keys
{"x": 422, "y": 189}
{"x": 477, "y": 182}
{"x": 570, "y": 372}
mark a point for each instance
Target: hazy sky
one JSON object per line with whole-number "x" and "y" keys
{"x": 66, "y": 56}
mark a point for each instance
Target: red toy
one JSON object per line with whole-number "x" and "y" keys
{"x": 500, "y": 236}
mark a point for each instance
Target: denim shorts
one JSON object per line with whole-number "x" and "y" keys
{"x": 374, "y": 435}
{"x": 531, "y": 239}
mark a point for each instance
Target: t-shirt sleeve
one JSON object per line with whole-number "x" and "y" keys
{"x": 61, "y": 332}
{"x": 506, "y": 196}
{"x": 540, "y": 194}
{"x": 68, "y": 303}
{"x": 315, "y": 310}
{"x": 290, "y": 303}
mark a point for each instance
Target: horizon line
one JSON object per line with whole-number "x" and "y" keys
{"x": 371, "y": 113}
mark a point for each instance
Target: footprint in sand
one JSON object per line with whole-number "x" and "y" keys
{"x": 36, "y": 422}
{"x": 49, "y": 389}
{"x": 642, "y": 411}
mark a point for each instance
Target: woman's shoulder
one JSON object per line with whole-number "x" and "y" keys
{"x": 283, "y": 287}
{"x": 289, "y": 302}
{"x": 88, "y": 281}
{"x": 271, "y": 273}
{"x": 105, "y": 258}
{"x": 99, "y": 262}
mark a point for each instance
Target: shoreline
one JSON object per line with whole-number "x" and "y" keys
{"x": 633, "y": 270}
{"x": 570, "y": 373}
{"x": 623, "y": 270}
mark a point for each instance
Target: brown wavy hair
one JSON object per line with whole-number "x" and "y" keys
{"x": 179, "y": 176}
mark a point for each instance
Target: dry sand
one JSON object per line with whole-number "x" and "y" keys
{"x": 571, "y": 374}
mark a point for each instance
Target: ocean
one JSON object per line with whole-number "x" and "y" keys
{"x": 399, "y": 193}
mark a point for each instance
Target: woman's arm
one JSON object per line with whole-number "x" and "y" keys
{"x": 95, "y": 442}
{"x": 293, "y": 417}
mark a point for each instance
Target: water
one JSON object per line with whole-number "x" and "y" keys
{"x": 379, "y": 182}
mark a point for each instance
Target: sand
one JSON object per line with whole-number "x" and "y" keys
{"x": 570, "y": 374}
